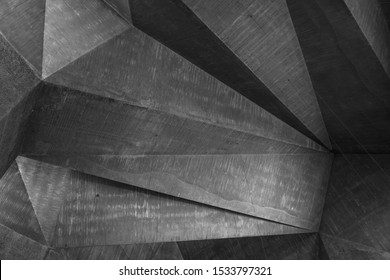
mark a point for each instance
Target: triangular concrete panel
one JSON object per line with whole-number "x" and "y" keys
{"x": 16, "y": 210}
{"x": 262, "y": 35}
{"x": 73, "y": 28}
{"x": 46, "y": 193}
{"x": 153, "y": 251}
{"x": 15, "y": 246}
{"x": 341, "y": 249}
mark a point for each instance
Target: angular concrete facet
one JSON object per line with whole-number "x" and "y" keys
{"x": 100, "y": 212}
{"x": 281, "y": 247}
{"x": 261, "y": 34}
{"x": 138, "y": 70}
{"x": 16, "y": 210}
{"x": 73, "y": 28}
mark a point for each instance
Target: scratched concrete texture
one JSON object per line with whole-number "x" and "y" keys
{"x": 187, "y": 129}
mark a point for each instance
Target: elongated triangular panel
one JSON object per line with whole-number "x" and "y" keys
{"x": 341, "y": 249}
{"x": 115, "y": 139}
{"x": 100, "y": 212}
{"x": 15, "y": 246}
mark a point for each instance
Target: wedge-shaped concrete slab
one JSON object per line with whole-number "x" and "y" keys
{"x": 145, "y": 251}
{"x": 16, "y": 210}
{"x": 96, "y": 211}
{"x": 138, "y": 70}
{"x": 262, "y": 35}
{"x": 22, "y": 23}
{"x": 73, "y": 28}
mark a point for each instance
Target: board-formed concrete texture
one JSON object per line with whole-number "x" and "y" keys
{"x": 188, "y": 129}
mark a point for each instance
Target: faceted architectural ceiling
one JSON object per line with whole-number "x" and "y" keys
{"x": 190, "y": 129}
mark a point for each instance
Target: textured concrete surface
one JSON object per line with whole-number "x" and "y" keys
{"x": 75, "y": 210}
{"x": 282, "y": 247}
{"x": 138, "y": 153}
{"x": 72, "y": 28}
{"x": 261, "y": 34}
{"x": 17, "y": 82}
{"x": 22, "y": 23}
{"x": 136, "y": 69}
{"x": 350, "y": 82}
{"x": 176, "y": 26}
{"x": 122, "y": 7}
{"x": 341, "y": 249}
{"x": 357, "y": 203}
{"x": 16, "y": 210}
{"x": 180, "y": 157}
{"x": 15, "y": 246}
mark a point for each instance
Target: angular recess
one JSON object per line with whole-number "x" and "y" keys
{"x": 122, "y": 7}
{"x": 16, "y": 210}
{"x": 22, "y": 23}
{"x": 261, "y": 34}
{"x": 281, "y": 247}
{"x": 138, "y": 70}
{"x": 96, "y": 211}
{"x": 73, "y": 28}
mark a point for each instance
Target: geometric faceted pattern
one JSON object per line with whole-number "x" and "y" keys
{"x": 194, "y": 129}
